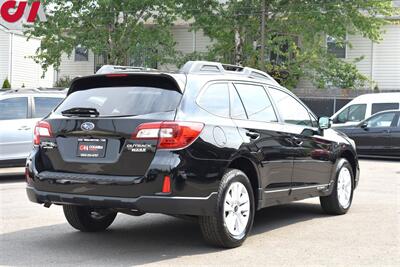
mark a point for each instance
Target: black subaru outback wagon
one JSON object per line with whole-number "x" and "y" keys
{"x": 215, "y": 142}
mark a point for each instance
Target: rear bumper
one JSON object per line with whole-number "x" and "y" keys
{"x": 204, "y": 206}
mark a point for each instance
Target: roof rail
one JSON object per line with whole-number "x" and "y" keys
{"x": 196, "y": 67}
{"x": 113, "y": 69}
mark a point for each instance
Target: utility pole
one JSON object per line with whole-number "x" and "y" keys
{"x": 262, "y": 52}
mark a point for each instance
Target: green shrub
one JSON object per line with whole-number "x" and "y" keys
{"x": 6, "y": 84}
{"x": 63, "y": 82}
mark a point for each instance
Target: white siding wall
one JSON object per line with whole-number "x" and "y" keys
{"x": 360, "y": 47}
{"x": 187, "y": 42}
{"x": 71, "y": 68}
{"x": 4, "y": 55}
{"x": 190, "y": 41}
{"x": 386, "y": 67}
{"x": 24, "y": 70}
{"x": 381, "y": 62}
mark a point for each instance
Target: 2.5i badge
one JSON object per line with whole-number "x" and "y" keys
{"x": 139, "y": 148}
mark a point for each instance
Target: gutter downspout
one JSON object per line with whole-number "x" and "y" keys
{"x": 372, "y": 64}
{"x": 10, "y": 58}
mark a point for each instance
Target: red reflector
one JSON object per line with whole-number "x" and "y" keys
{"x": 166, "y": 187}
{"x": 116, "y": 75}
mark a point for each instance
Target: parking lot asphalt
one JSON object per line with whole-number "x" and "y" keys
{"x": 294, "y": 234}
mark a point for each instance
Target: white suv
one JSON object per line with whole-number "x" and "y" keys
{"x": 19, "y": 112}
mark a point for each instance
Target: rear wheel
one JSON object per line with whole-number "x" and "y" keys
{"x": 235, "y": 212}
{"x": 339, "y": 201}
{"x": 88, "y": 219}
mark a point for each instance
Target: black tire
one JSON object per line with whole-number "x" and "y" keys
{"x": 330, "y": 204}
{"x": 213, "y": 228}
{"x": 81, "y": 218}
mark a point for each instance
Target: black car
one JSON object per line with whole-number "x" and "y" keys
{"x": 377, "y": 136}
{"x": 214, "y": 142}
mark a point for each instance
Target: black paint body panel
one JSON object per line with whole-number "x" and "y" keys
{"x": 290, "y": 162}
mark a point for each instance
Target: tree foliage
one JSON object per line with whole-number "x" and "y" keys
{"x": 295, "y": 35}
{"x": 115, "y": 29}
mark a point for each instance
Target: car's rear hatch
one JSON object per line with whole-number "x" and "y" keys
{"x": 92, "y": 129}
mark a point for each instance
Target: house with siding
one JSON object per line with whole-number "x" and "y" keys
{"x": 84, "y": 62}
{"x": 16, "y": 63}
{"x": 380, "y": 63}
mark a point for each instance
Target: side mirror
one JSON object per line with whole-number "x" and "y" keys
{"x": 364, "y": 125}
{"x": 324, "y": 123}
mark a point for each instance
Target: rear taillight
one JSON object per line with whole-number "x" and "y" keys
{"x": 42, "y": 129}
{"x": 170, "y": 134}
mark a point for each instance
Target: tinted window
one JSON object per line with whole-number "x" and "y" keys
{"x": 44, "y": 105}
{"x": 290, "y": 109}
{"x": 123, "y": 101}
{"x": 215, "y": 99}
{"x": 237, "y": 109}
{"x": 382, "y": 120}
{"x": 352, "y": 113}
{"x": 256, "y": 102}
{"x": 14, "y": 108}
{"x": 377, "y": 107}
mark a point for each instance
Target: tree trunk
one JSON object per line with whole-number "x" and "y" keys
{"x": 238, "y": 47}
{"x": 262, "y": 48}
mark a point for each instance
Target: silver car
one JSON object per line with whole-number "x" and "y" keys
{"x": 19, "y": 112}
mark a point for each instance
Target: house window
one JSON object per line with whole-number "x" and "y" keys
{"x": 81, "y": 54}
{"x": 335, "y": 48}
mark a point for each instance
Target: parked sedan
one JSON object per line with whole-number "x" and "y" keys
{"x": 377, "y": 136}
{"x": 20, "y": 110}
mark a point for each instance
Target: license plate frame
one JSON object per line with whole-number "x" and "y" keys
{"x": 91, "y": 148}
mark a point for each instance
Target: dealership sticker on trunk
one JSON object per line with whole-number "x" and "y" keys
{"x": 91, "y": 148}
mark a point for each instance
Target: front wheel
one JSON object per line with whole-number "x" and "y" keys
{"x": 235, "y": 212}
{"x": 339, "y": 201}
{"x": 87, "y": 219}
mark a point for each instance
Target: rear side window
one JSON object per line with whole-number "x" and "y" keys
{"x": 14, "y": 108}
{"x": 256, "y": 102}
{"x": 237, "y": 109}
{"x": 44, "y": 105}
{"x": 352, "y": 113}
{"x": 291, "y": 110}
{"x": 377, "y": 107}
{"x": 381, "y": 120}
{"x": 215, "y": 99}
{"x": 123, "y": 101}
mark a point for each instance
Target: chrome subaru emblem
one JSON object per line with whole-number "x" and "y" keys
{"x": 87, "y": 126}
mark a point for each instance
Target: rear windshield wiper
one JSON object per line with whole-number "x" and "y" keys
{"x": 82, "y": 112}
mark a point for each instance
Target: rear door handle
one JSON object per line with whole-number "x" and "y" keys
{"x": 253, "y": 135}
{"x": 24, "y": 128}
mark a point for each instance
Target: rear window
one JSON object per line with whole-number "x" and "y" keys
{"x": 44, "y": 105}
{"x": 377, "y": 107}
{"x": 123, "y": 101}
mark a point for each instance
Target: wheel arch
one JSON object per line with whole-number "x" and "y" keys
{"x": 250, "y": 169}
{"x": 351, "y": 158}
